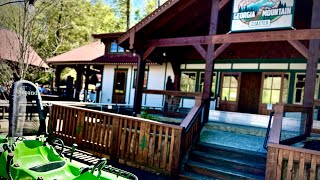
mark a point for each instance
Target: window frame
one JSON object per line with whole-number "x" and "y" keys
{"x": 316, "y": 95}
{"x": 282, "y": 88}
{"x": 145, "y": 86}
{"x": 237, "y": 88}
{"x": 118, "y": 48}
{"x": 195, "y": 80}
{"x": 213, "y": 86}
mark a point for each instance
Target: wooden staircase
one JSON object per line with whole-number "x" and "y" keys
{"x": 208, "y": 161}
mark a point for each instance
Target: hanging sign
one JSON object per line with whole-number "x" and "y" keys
{"x": 251, "y": 15}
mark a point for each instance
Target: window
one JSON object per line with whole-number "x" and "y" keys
{"x": 275, "y": 87}
{"x": 214, "y": 81}
{"x": 230, "y": 87}
{"x": 299, "y": 88}
{"x": 114, "y": 48}
{"x": 188, "y": 81}
{"x": 145, "y": 80}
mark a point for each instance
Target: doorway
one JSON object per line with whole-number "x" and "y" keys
{"x": 119, "y": 86}
{"x": 249, "y": 92}
{"x": 229, "y": 91}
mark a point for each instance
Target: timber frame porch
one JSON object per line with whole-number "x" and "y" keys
{"x": 163, "y": 147}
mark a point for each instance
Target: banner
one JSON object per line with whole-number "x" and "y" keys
{"x": 250, "y": 15}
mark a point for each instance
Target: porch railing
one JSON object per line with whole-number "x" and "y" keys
{"x": 170, "y": 103}
{"x": 286, "y": 162}
{"x": 131, "y": 140}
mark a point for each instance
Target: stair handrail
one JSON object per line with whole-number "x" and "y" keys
{"x": 191, "y": 117}
{"x": 266, "y": 138}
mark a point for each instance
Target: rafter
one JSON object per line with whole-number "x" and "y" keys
{"x": 286, "y": 35}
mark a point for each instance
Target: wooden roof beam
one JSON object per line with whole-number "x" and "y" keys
{"x": 148, "y": 52}
{"x": 286, "y": 35}
{"x": 223, "y": 3}
{"x": 217, "y": 52}
{"x": 201, "y": 50}
{"x": 300, "y": 47}
{"x": 130, "y": 33}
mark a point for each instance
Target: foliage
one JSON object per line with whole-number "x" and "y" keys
{"x": 6, "y": 76}
{"x": 71, "y": 24}
{"x": 20, "y": 18}
{"x": 123, "y": 9}
{"x": 68, "y": 72}
{"x": 145, "y": 114}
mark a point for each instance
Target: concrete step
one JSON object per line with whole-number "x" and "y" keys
{"x": 217, "y": 171}
{"x": 243, "y": 129}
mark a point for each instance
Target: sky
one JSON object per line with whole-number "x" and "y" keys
{"x": 136, "y": 4}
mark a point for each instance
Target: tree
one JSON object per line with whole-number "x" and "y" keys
{"x": 123, "y": 9}
{"x": 20, "y": 18}
{"x": 53, "y": 27}
{"x": 72, "y": 23}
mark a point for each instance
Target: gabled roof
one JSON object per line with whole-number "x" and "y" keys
{"x": 168, "y": 4}
{"x": 83, "y": 54}
{"x": 191, "y": 18}
{"x": 10, "y": 49}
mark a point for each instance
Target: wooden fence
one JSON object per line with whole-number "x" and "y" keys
{"x": 139, "y": 141}
{"x": 286, "y": 162}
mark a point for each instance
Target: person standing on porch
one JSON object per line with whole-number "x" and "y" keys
{"x": 168, "y": 98}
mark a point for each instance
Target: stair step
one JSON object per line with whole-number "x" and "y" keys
{"x": 218, "y": 172}
{"x": 241, "y": 165}
{"x": 236, "y": 128}
{"x": 232, "y": 153}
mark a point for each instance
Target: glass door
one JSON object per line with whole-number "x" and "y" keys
{"x": 229, "y": 92}
{"x": 274, "y": 89}
{"x": 119, "y": 86}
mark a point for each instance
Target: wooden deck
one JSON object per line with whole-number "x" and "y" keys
{"x": 134, "y": 141}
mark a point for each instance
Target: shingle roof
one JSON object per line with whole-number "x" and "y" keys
{"x": 84, "y": 53}
{"x": 10, "y": 50}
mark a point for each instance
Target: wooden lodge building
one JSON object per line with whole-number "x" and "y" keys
{"x": 246, "y": 76}
{"x": 252, "y": 57}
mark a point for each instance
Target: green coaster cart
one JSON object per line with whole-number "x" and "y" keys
{"x": 39, "y": 158}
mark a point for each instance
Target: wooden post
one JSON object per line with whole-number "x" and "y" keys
{"x": 78, "y": 85}
{"x": 275, "y": 131}
{"x": 176, "y": 152}
{"x": 271, "y": 163}
{"x": 86, "y": 85}
{"x": 58, "y": 79}
{"x": 80, "y": 126}
{"x": 312, "y": 64}
{"x": 139, "y": 85}
{"x": 114, "y": 135}
{"x": 210, "y": 60}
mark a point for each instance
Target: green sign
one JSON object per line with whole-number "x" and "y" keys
{"x": 251, "y": 15}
